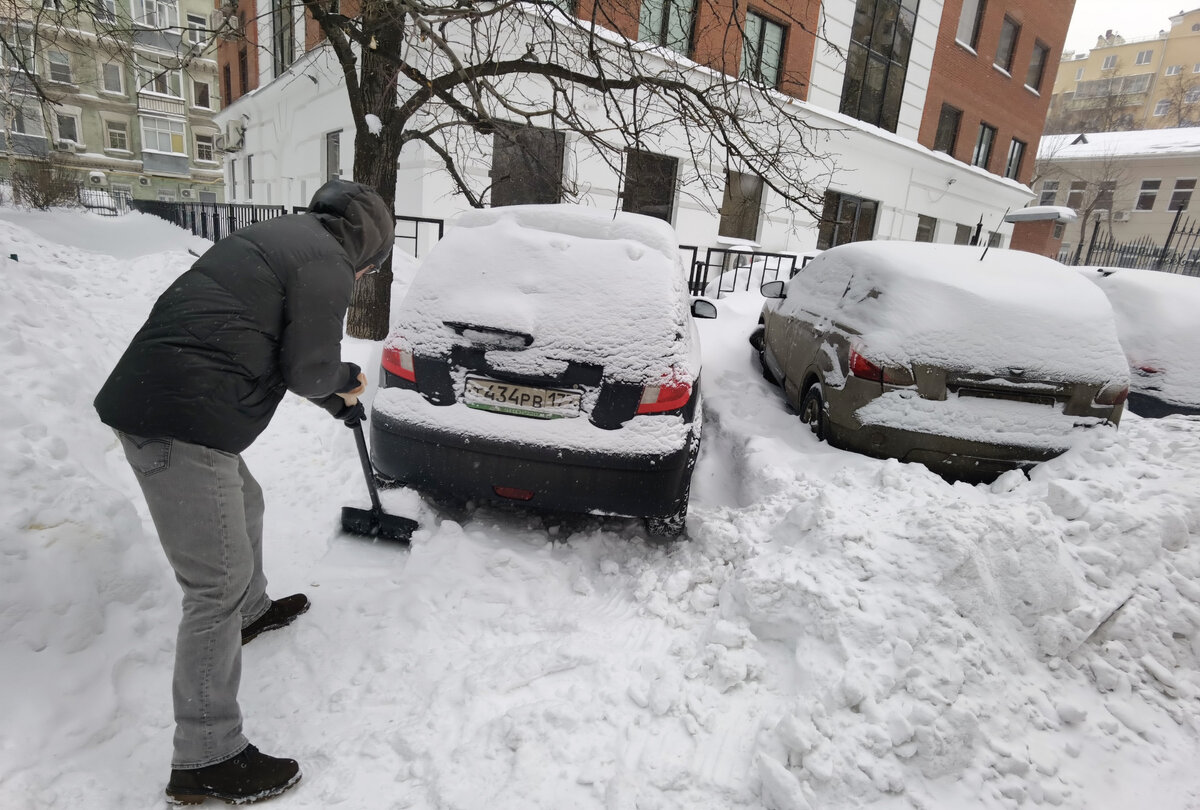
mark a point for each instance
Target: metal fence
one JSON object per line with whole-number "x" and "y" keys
{"x": 726, "y": 270}
{"x": 212, "y": 221}
{"x": 1179, "y": 253}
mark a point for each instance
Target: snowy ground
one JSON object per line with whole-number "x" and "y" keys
{"x": 839, "y": 632}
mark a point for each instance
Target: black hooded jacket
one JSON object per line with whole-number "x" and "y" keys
{"x": 258, "y": 314}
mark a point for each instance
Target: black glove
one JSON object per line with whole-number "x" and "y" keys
{"x": 352, "y": 414}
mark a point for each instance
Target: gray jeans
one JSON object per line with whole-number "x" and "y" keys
{"x": 208, "y": 511}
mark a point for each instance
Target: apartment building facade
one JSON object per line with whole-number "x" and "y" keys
{"x": 870, "y": 86}
{"x": 131, "y": 94}
{"x": 1146, "y": 82}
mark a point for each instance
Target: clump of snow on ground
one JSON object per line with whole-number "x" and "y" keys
{"x": 839, "y": 631}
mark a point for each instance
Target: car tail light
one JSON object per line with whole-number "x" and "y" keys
{"x": 864, "y": 369}
{"x": 1149, "y": 370}
{"x": 670, "y": 396}
{"x": 1113, "y": 394}
{"x": 513, "y": 493}
{"x": 399, "y": 362}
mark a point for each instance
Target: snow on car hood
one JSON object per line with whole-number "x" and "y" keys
{"x": 588, "y": 285}
{"x": 1158, "y": 328}
{"x": 944, "y": 305}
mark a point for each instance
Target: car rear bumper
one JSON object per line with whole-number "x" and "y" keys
{"x": 1148, "y": 405}
{"x": 470, "y": 467}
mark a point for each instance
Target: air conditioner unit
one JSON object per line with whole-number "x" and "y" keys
{"x": 63, "y": 145}
{"x": 96, "y": 178}
{"x": 219, "y": 143}
{"x": 143, "y": 181}
{"x": 1120, "y": 216}
{"x": 235, "y": 135}
{"x": 187, "y": 193}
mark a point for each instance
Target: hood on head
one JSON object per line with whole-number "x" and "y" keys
{"x": 358, "y": 218}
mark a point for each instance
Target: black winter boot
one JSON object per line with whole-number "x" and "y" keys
{"x": 281, "y": 613}
{"x": 242, "y": 779}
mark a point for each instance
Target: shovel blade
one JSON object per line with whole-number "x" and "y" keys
{"x": 369, "y": 523}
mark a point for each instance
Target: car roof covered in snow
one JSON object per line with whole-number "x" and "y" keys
{"x": 588, "y": 285}
{"x": 965, "y": 307}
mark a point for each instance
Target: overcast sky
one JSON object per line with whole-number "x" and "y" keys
{"x": 1129, "y": 18}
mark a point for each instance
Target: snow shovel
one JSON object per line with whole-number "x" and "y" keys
{"x": 374, "y": 522}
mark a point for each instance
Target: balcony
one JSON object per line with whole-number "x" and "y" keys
{"x": 162, "y": 105}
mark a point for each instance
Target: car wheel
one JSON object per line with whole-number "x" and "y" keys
{"x": 664, "y": 528}
{"x": 812, "y": 411}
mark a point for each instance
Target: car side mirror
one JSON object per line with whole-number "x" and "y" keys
{"x": 772, "y": 289}
{"x": 704, "y": 309}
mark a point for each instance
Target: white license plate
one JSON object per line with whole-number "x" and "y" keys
{"x": 521, "y": 400}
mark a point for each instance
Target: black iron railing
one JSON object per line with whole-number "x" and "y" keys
{"x": 1178, "y": 253}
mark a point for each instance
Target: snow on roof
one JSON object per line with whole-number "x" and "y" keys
{"x": 586, "y": 284}
{"x": 1034, "y": 213}
{"x": 1157, "y": 326}
{"x": 944, "y": 305}
{"x": 1181, "y": 141}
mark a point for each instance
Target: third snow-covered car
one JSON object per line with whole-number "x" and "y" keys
{"x": 1159, "y": 328}
{"x": 967, "y": 361}
{"x": 547, "y": 355}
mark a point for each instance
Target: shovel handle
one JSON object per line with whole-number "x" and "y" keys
{"x": 368, "y": 471}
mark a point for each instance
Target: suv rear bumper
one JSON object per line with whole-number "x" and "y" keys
{"x": 469, "y": 468}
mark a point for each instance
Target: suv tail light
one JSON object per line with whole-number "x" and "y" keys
{"x": 864, "y": 369}
{"x": 1113, "y": 394}
{"x": 670, "y": 396}
{"x": 399, "y": 362}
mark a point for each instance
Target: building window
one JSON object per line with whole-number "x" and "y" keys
{"x": 1016, "y": 152}
{"x": 250, "y": 178}
{"x": 1110, "y": 62}
{"x": 227, "y": 76}
{"x": 969, "y": 22}
{"x": 1143, "y": 57}
{"x": 1059, "y": 230}
{"x": 333, "y": 155}
{"x": 846, "y": 219}
{"x": 947, "y": 129}
{"x": 233, "y": 195}
{"x": 983, "y": 146}
{"x": 1079, "y": 74}
{"x": 1049, "y": 195}
{"x": 1182, "y": 195}
{"x": 995, "y": 239}
{"x": 163, "y": 135}
{"x": 1174, "y": 70}
{"x": 60, "y": 67}
{"x": 527, "y": 165}
{"x": 283, "y": 25}
{"x": 762, "y": 50}
{"x": 1192, "y": 95}
{"x": 155, "y": 77}
{"x": 649, "y": 185}
{"x": 68, "y": 127}
{"x": 106, "y": 10}
{"x": 1162, "y": 107}
{"x": 740, "y": 206}
{"x": 668, "y": 23}
{"x": 243, "y": 72}
{"x": 926, "y": 226}
{"x": 877, "y": 61}
{"x": 118, "y": 135}
{"x": 962, "y": 234}
{"x": 1037, "y": 67}
{"x": 1147, "y": 194}
{"x": 1196, "y": 68}
{"x": 200, "y": 97}
{"x": 204, "y": 149}
{"x": 113, "y": 78}
{"x": 1009, "y": 33}
{"x": 1104, "y": 198}
{"x": 197, "y": 28}
{"x": 156, "y": 13}
{"x": 1075, "y": 194}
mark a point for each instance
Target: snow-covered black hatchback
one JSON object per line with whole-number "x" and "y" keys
{"x": 547, "y": 356}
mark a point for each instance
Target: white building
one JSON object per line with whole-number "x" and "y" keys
{"x": 298, "y": 133}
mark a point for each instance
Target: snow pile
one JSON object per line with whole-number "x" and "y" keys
{"x": 1158, "y": 328}
{"x": 840, "y": 632}
{"x": 956, "y": 307}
